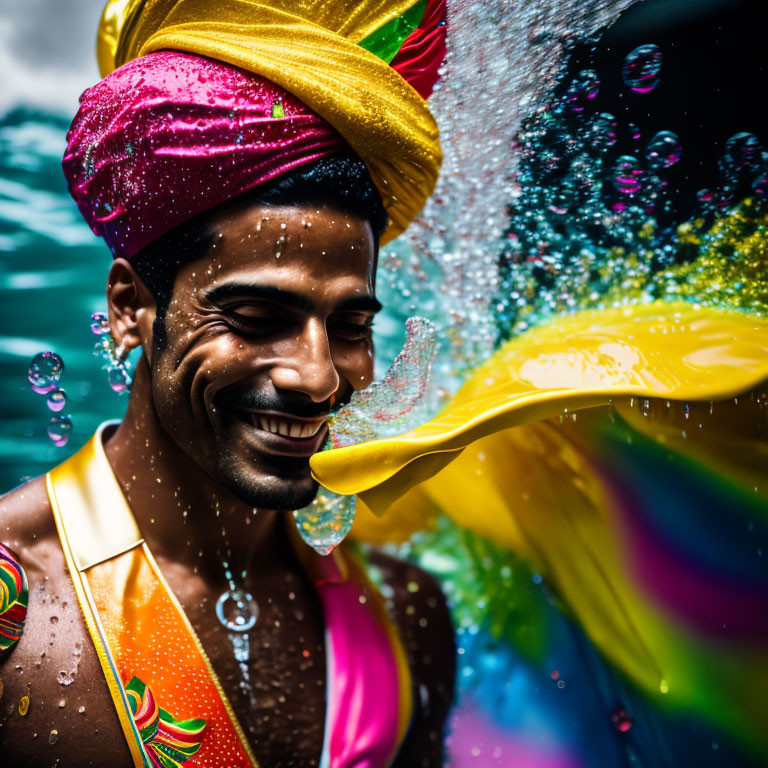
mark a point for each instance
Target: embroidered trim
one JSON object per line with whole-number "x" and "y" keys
{"x": 14, "y": 599}
{"x": 169, "y": 742}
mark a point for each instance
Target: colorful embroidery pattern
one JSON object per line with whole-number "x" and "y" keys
{"x": 169, "y": 743}
{"x": 14, "y": 598}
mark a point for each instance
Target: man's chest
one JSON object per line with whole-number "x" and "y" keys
{"x": 274, "y": 674}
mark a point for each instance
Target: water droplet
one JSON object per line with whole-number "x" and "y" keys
{"x": 81, "y": 709}
{"x": 627, "y": 175}
{"x": 23, "y": 705}
{"x": 326, "y": 521}
{"x": 62, "y": 703}
{"x": 621, "y": 721}
{"x": 119, "y": 378}
{"x": 604, "y": 132}
{"x": 45, "y": 371}
{"x": 99, "y": 324}
{"x": 53, "y": 736}
{"x": 57, "y": 400}
{"x": 65, "y": 678}
{"x": 664, "y": 150}
{"x": 278, "y": 110}
{"x": 584, "y": 87}
{"x": 642, "y": 67}
{"x": 59, "y": 428}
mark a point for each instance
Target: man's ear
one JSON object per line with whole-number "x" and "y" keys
{"x": 132, "y": 308}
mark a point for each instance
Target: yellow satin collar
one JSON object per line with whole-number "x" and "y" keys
{"x": 310, "y": 49}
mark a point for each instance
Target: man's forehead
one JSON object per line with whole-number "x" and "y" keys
{"x": 288, "y": 248}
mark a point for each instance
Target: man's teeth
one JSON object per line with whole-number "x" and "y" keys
{"x": 295, "y": 429}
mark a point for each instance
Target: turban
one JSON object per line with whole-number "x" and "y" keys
{"x": 203, "y": 100}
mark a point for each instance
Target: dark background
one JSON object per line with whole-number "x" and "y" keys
{"x": 714, "y": 82}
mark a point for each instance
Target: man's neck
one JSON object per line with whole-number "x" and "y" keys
{"x": 186, "y": 516}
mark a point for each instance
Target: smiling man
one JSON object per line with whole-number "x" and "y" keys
{"x": 174, "y": 616}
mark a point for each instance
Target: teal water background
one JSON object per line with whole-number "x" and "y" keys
{"x": 52, "y": 277}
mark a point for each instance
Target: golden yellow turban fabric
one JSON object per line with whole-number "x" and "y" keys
{"x": 312, "y": 50}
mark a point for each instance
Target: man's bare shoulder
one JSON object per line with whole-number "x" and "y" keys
{"x": 53, "y": 665}
{"x": 25, "y": 516}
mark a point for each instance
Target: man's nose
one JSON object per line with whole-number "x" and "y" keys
{"x": 308, "y": 367}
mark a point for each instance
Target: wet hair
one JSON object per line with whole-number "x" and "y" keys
{"x": 339, "y": 181}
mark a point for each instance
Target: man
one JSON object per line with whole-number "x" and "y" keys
{"x": 245, "y": 233}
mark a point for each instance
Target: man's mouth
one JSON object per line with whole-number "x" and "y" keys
{"x": 283, "y": 434}
{"x": 287, "y": 427}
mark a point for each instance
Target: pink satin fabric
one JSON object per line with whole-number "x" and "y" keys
{"x": 170, "y": 135}
{"x": 363, "y": 689}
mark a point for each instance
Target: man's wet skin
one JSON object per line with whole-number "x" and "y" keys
{"x": 264, "y": 335}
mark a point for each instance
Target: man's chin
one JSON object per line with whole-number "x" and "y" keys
{"x": 274, "y": 492}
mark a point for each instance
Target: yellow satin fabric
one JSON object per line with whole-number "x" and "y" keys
{"x": 311, "y": 49}
{"x": 662, "y": 350}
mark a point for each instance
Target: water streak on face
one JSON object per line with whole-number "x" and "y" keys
{"x": 264, "y": 334}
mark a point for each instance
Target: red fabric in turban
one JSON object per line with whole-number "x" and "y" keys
{"x": 170, "y": 135}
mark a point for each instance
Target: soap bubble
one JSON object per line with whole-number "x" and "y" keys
{"x": 627, "y": 175}
{"x": 99, "y": 323}
{"x": 584, "y": 87}
{"x": 664, "y": 150}
{"x": 742, "y": 153}
{"x": 642, "y": 67}
{"x": 45, "y": 371}
{"x": 59, "y": 428}
{"x": 604, "y": 131}
{"x": 57, "y": 400}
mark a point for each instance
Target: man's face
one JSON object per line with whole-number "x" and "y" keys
{"x": 264, "y": 335}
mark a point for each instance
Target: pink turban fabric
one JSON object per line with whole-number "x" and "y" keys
{"x": 170, "y": 135}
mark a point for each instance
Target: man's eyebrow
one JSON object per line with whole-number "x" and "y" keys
{"x": 285, "y": 297}
{"x": 360, "y": 304}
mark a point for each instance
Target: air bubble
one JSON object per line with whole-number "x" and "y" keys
{"x": 627, "y": 175}
{"x": 664, "y": 150}
{"x": 642, "y": 68}
{"x": 99, "y": 324}
{"x": 45, "y": 371}
{"x": 742, "y": 153}
{"x": 57, "y": 400}
{"x": 584, "y": 87}
{"x": 59, "y": 428}
{"x": 604, "y": 132}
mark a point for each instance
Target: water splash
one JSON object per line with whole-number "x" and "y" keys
{"x": 386, "y": 406}
{"x": 591, "y": 230}
{"x": 503, "y": 57}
